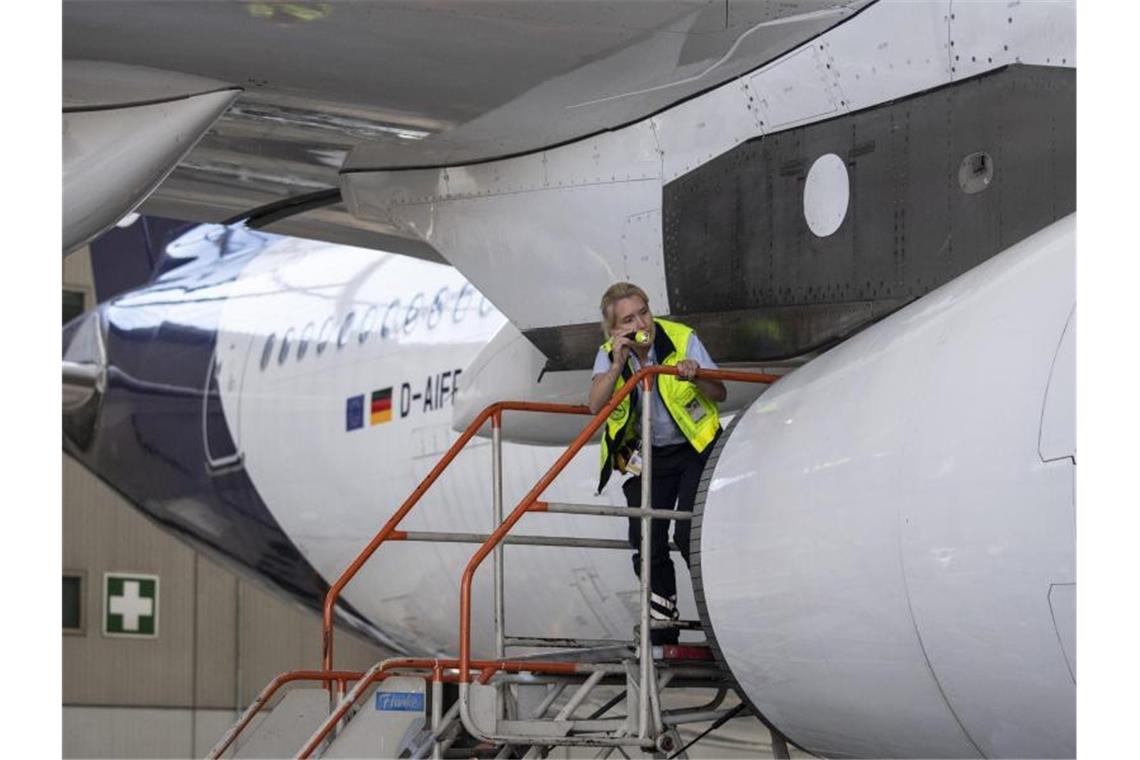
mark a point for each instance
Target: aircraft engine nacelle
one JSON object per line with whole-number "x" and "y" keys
{"x": 887, "y": 545}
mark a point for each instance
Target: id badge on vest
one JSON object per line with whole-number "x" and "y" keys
{"x": 696, "y": 410}
{"x": 633, "y": 464}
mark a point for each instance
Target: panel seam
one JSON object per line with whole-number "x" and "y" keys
{"x": 1048, "y": 386}
{"x": 925, "y": 656}
{"x": 78, "y": 109}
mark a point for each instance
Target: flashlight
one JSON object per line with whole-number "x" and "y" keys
{"x": 640, "y": 337}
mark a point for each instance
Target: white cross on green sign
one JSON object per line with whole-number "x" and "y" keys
{"x": 130, "y": 604}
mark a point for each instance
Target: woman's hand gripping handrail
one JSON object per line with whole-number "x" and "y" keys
{"x": 528, "y": 501}
{"x": 494, "y": 413}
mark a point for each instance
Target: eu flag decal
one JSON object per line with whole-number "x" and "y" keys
{"x": 381, "y": 410}
{"x": 354, "y": 413}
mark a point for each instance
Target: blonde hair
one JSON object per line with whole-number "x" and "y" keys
{"x": 613, "y": 294}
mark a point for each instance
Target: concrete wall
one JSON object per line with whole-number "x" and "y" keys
{"x": 141, "y": 731}
{"x": 221, "y": 638}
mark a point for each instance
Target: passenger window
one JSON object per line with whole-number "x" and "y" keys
{"x": 325, "y": 334}
{"x": 459, "y": 311}
{"x": 367, "y": 324}
{"x": 268, "y": 350}
{"x": 306, "y": 337}
{"x": 437, "y": 306}
{"x": 389, "y": 326}
{"x": 413, "y": 312}
{"x": 286, "y": 340}
{"x": 342, "y": 337}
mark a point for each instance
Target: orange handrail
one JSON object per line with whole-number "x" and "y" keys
{"x": 641, "y": 377}
{"x": 340, "y": 676}
{"x": 464, "y": 663}
{"x": 493, "y": 412}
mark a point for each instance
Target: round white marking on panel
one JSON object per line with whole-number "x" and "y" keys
{"x": 826, "y": 193}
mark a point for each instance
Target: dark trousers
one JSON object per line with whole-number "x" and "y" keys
{"x": 676, "y": 472}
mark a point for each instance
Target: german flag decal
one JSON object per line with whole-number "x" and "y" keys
{"x": 381, "y": 410}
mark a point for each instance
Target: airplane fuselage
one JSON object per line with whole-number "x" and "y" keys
{"x": 292, "y": 394}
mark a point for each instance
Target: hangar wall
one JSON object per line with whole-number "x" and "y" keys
{"x": 220, "y": 638}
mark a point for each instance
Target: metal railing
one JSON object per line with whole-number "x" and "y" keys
{"x": 530, "y": 503}
{"x": 494, "y": 413}
{"x": 460, "y": 669}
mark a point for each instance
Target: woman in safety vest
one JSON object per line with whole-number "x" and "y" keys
{"x": 684, "y": 424}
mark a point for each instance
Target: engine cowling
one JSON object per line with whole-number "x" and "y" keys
{"x": 887, "y": 543}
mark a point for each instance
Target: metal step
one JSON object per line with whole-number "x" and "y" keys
{"x": 686, "y": 652}
{"x": 387, "y": 724}
{"x": 287, "y": 727}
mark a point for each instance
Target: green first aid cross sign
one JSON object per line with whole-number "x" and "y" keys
{"x": 130, "y": 605}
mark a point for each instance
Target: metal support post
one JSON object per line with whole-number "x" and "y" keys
{"x": 632, "y": 698}
{"x": 436, "y": 713}
{"x": 497, "y": 556}
{"x": 655, "y": 699}
{"x": 554, "y": 691}
{"x": 497, "y": 505}
{"x": 583, "y": 691}
{"x": 645, "y": 654}
{"x": 336, "y": 696}
{"x": 436, "y": 740}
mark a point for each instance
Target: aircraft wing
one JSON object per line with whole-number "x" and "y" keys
{"x": 413, "y": 84}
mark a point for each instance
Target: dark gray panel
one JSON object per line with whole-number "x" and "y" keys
{"x": 734, "y": 230}
{"x": 745, "y": 271}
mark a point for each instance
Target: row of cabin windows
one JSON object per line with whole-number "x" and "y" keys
{"x": 369, "y": 322}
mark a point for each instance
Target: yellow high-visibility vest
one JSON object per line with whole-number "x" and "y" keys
{"x": 697, "y": 418}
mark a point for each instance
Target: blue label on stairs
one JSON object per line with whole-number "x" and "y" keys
{"x": 400, "y": 701}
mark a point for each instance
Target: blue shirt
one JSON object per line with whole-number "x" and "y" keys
{"x": 665, "y": 431}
